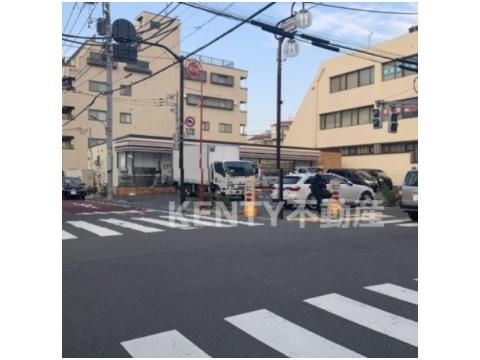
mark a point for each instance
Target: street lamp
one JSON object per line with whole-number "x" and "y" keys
{"x": 301, "y": 19}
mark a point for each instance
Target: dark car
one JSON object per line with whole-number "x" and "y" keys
{"x": 357, "y": 176}
{"x": 384, "y": 181}
{"x": 73, "y": 188}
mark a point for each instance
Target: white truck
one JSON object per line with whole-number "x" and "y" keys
{"x": 223, "y": 171}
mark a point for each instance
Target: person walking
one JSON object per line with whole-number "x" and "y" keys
{"x": 319, "y": 189}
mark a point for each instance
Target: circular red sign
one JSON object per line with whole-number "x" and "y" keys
{"x": 190, "y": 121}
{"x": 193, "y": 68}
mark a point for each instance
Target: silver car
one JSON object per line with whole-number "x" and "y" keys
{"x": 409, "y": 197}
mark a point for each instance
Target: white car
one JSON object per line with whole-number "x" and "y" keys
{"x": 296, "y": 190}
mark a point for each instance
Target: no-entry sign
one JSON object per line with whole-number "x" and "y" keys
{"x": 193, "y": 68}
{"x": 189, "y": 121}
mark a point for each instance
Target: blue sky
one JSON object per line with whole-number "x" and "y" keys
{"x": 254, "y": 50}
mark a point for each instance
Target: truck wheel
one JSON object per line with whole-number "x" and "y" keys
{"x": 413, "y": 216}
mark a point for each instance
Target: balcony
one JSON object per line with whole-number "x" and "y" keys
{"x": 140, "y": 66}
{"x": 210, "y": 60}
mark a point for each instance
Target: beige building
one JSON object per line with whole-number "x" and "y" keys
{"x": 336, "y": 112}
{"x": 149, "y": 108}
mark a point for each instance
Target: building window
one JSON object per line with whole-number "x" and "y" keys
{"x": 398, "y": 69}
{"x": 225, "y": 128}
{"x": 97, "y": 115}
{"x": 210, "y": 102}
{"x": 205, "y": 126}
{"x": 67, "y": 142}
{"x": 221, "y": 79}
{"x": 125, "y": 90}
{"x": 391, "y": 148}
{"x": 243, "y": 83}
{"x": 201, "y": 77}
{"x": 97, "y": 59}
{"x": 97, "y": 86}
{"x": 345, "y": 118}
{"x": 243, "y": 106}
{"x": 352, "y": 79}
{"x": 125, "y": 118}
{"x": 140, "y": 66}
{"x": 94, "y": 142}
{"x": 189, "y": 131}
{"x": 243, "y": 130}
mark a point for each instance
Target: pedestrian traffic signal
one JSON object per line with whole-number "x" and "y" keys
{"x": 393, "y": 121}
{"x": 377, "y": 119}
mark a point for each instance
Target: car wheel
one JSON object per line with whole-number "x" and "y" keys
{"x": 413, "y": 215}
{"x": 311, "y": 202}
{"x": 366, "y": 198}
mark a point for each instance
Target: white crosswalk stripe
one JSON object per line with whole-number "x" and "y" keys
{"x": 396, "y": 221}
{"x": 196, "y": 221}
{"x": 230, "y": 221}
{"x": 396, "y": 292}
{"x": 378, "y": 320}
{"x": 97, "y": 230}
{"x": 131, "y": 225}
{"x": 169, "y": 344}
{"x": 287, "y": 337}
{"x": 414, "y": 224}
{"x": 67, "y": 235}
{"x": 170, "y": 224}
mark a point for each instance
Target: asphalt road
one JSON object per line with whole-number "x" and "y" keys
{"x": 120, "y": 288}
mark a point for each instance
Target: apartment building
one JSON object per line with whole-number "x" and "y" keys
{"x": 336, "y": 112}
{"x": 149, "y": 108}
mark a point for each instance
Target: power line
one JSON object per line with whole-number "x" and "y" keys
{"x": 85, "y": 23}
{"x": 176, "y": 62}
{"x": 71, "y": 13}
{"x": 363, "y": 10}
{"x": 78, "y": 42}
{"x": 157, "y": 15}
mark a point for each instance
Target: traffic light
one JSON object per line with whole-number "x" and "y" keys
{"x": 377, "y": 119}
{"x": 393, "y": 121}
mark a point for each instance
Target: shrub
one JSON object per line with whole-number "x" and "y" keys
{"x": 391, "y": 197}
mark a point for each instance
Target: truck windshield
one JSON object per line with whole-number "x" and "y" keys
{"x": 238, "y": 168}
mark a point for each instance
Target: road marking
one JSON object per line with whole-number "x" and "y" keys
{"x": 409, "y": 225}
{"x": 396, "y": 292}
{"x": 378, "y": 320}
{"x": 393, "y": 221}
{"x": 195, "y": 221}
{"x": 131, "y": 225}
{"x": 170, "y": 224}
{"x": 111, "y": 212}
{"x": 415, "y": 279}
{"x": 168, "y": 344}
{"x": 287, "y": 337}
{"x": 98, "y": 230}
{"x": 67, "y": 236}
{"x": 230, "y": 221}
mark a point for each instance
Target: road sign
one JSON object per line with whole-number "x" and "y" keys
{"x": 193, "y": 68}
{"x": 190, "y": 121}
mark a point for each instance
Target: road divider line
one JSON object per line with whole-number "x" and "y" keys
{"x": 393, "y": 221}
{"x": 230, "y": 221}
{"x": 169, "y": 344}
{"x": 368, "y": 316}
{"x": 67, "y": 235}
{"x": 196, "y": 221}
{"x": 396, "y": 292}
{"x": 286, "y": 337}
{"x": 170, "y": 224}
{"x": 98, "y": 230}
{"x": 131, "y": 225}
{"x": 409, "y": 225}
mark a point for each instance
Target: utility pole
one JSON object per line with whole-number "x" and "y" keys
{"x": 108, "y": 127}
{"x": 279, "y": 123}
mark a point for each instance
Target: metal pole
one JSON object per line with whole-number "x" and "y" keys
{"x": 180, "y": 131}
{"x": 108, "y": 128}
{"x": 202, "y": 191}
{"x": 279, "y": 115}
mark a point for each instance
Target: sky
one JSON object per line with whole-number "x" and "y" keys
{"x": 254, "y": 50}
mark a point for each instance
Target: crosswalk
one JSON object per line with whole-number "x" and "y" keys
{"x": 107, "y": 227}
{"x": 291, "y": 339}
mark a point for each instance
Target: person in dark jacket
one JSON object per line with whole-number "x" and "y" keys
{"x": 319, "y": 189}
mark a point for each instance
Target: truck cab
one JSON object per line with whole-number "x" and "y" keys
{"x": 229, "y": 177}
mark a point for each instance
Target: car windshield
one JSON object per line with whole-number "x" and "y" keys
{"x": 288, "y": 180}
{"x": 238, "y": 168}
{"x": 72, "y": 181}
{"x": 364, "y": 174}
{"x": 411, "y": 179}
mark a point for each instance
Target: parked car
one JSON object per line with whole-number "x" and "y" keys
{"x": 409, "y": 194}
{"x": 304, "y": 170}
{"x": 73, "y": 188}
{"x": 357, "y": 176}
{"x": 384, "y": 181}
{"x": 296, "y": 190}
